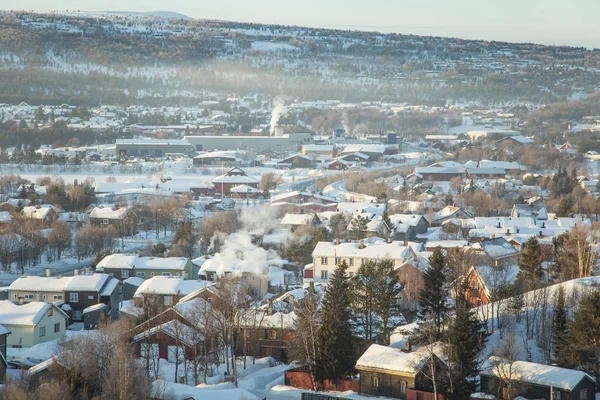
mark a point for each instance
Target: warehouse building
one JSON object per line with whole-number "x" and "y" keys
{"x": 260, "y": 144}
{"x": 152, "y": 147}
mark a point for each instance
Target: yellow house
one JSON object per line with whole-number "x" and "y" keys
{"x": 32, "y": 323}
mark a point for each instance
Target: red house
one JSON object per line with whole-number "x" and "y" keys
{"x": 233, "y": 178}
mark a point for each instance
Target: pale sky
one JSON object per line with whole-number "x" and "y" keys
{"x": 560, "y": 22}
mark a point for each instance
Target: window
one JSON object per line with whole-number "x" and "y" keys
{"x": 324, "y": 275}
{"x": 104, "y": 221}
{"x": 336, "y": 261}
{"x": 555, "y": 394}
{"x": 57, "y": 327}
{"x": 168, "y": 300}
{"x": 375, "y": 381}
{"x": 90, "y": 297}
{"x": 42, "y": 331}
{"x": 175, "y": 354}
{"x": 57, "y": 297}
{"x": 140, "y": 274}
{"x": 125, "y": 273}
{"x": 351, "y": 262}
{"x": 583, "y": 394}
{"x": 73, "y": 297}
{"x": 402, "y": 387}
{"x": 149, "y": 350}
{"x": 362, "y": 261}
{"x": 50, "y": 311}
{"x": 44, "y": 297}
{"x": 166, "y": 274}
{"x": 478, "y": 302}
{"x": 151, "y": 273}
{"x": 271, "y": 334}
{"x": 77, "y": 315}
{"x": 323, "y": 260}
{"x": 29, "y": 296}
{"x": 287, "y": 336}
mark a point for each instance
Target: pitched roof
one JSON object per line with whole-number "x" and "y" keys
{"x": 169, "y": 285}
{"x": 78, "y": 283}
{"x": 536, "y": 374}
{"x": 27, "y": 314}
{"x": 108, "y": 212}
{"x": 377, "y": 250}
{"x": 385, "y": 358}
{"x": 133, "y": 261}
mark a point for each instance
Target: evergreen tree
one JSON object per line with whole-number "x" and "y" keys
{"x": 585, "y": 330}
{"x": 530, "y": 264}
{"x": 465, "y": 337}
{"x": 336, "y": 358}
{"x": 389, "y": 289}
{"x": 562, "y": 352}
{"x": 432, "y": 297}
{"x": 358, "y": 227}
{"x": 386, "y": 218}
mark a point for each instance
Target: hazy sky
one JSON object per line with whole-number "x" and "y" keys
{"x": 568, "y": 22}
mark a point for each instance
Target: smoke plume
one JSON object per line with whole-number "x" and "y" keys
{"x": 278, "y": 109}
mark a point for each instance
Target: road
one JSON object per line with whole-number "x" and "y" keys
{"x": 341, "y": 193}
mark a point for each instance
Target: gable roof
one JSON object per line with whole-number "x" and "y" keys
{"x": 133, "y": 261}
{"x": 29, "y": 314}
{"x": 169, "y": 285}
{"x": 392, "y": 360}
{"x": 536, "y": 374}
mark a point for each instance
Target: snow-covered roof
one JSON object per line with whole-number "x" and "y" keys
{"x": 128, "y": 307}
{"x": 446, "y": 244}
{"x": 384, "y": 358}
{"x": 496, "y": 248}
{"x": 26, "y": 314}
{"x": 375, "y": 250}
{"x": 134, "y": 280}
{"x": 78, "y": 283}
{"x": 297, "y": 219}
{"x": 3, "y": 331}
{"x": 507, "y": 165}
{"x": 169, "y": 286}
{"x": 110, "y": 287}
{"x": 176, "y": 330}
{"x": 356, "y": 208}
{"x": 5, "y": 216}
{"x": 245, "y": 189}
{"x": 494, "y": 277}
{"x": 36, "y": 212}
{"x": 162, "y": 389}
{"x": 133, "y": 261}
{"x": 94, "y": 307}
{"x": 108, "y": 212}
{"x": 536, "y": 374}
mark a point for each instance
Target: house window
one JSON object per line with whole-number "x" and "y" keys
{"x": 362, "y": 261}
{"x": 42, "y": 331}
{"x": 168, "y": 300}
{"x": 50, "y": 311}
{"x": 375, "y": 381}
{"x": 337, "y": 261}
{"x": 73, "y": 297}
{"x": 149, "y": 350}
{"x": 151, "y": 273}
{"x": 351, "y": 262}
{"x": 287, "y": 336}
{"x": 77, "y": 315}
{"x": 166, "y": 274}
{"x": 44, "y": 297}
{"x": 473, "y": 285}
{"x": 104, "y": 221}
{"x": 57, "y": 327}
{"x": 323, "y": 260}
{"x": 90, "y": 297}
{"x": 402, "y": 386}
{"x": 140, "y": 274}
{"x": 583, "y": 394}
{"x": 271, "y": 334}
{"x": 175, "y": 354}
{"x": 57, "y": 297}
{"x": 29, "y": 296}
{"x": 125, "y": 273}
{"x": 478, "y": 302}
{"x": 324, "y": 275}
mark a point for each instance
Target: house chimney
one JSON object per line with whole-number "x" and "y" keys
{"x": 541, "y": 234}
{"x": 407, "y": 347}
{"x": 75, "y": 272}
{"x": 206, "y": 256}
{"x": 311, "y": 287}
{"x": 508, "y": 231}
{"x": 337, "y": 241}
{"x": 48, "y": 274}
{"x": 406, "y": 243}
{"x": 493, "y": 236}
{"x": 362, "y": 244}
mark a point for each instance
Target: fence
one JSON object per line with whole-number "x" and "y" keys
{"x": 318, "y": 396}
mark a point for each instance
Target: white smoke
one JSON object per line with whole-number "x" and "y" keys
{"x": 278, "y": 109}
{"x": 238, "y": 253}
{"x": 346, "y": 123}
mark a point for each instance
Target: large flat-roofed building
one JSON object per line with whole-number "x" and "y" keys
{"x": 152, "y": 147}
{"x": 262, "y": 144}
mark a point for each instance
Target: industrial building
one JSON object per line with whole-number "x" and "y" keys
{"x": 147, "y": 147}
{"x": 259, "y": 144}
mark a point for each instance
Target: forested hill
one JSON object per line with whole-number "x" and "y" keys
{"x": 87, "y": 59}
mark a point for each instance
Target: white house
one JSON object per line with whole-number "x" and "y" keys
{"x": 32, "y": 323}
